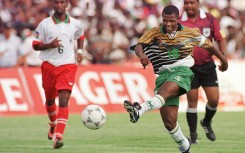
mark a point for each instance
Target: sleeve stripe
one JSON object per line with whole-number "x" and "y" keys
{"x": 36, "y": 43}
{"x": 82, "y": 37}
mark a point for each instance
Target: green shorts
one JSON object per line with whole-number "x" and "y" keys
{"x": 181, "y": 75}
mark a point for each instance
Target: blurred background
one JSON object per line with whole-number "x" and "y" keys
{"x": 110, "y": 74}
{"x": 113, "y": 25}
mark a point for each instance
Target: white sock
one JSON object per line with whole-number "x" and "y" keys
{"x": 155, "y": 102}
{"x": 191, "y": 110}
{"x": 211, "y": 108}
{"x": 179, "y": 138}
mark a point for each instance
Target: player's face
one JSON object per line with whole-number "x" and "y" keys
{"x": 191, "y": 7}
{"x": 59, "y": 6}
{"x": 170, "y": 22}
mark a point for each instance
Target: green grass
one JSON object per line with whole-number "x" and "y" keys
{"x": 28, "y": 134}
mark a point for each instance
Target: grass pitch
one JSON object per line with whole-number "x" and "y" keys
{"x": 28, "y": 134}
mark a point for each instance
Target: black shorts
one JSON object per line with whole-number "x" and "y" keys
{"x": 204, "y": 75}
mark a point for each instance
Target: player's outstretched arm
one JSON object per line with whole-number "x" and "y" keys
{"x": 143, "y": 58}
{"x": 223, "y": 46}
{"x": 223, "y": 60}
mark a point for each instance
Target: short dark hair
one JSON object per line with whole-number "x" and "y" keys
{"x": 171, "y": 9}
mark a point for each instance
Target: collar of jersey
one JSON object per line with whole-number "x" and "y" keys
{"x": 57, "y": 21}
{"x": 180, "y": 28}
{"x": 202, "y": 15}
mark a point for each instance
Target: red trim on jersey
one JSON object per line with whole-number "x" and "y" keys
{"x": 67, "y": 19}
{"x": 54, "y": 20}
{"x": 35, "y": 43}
{"x": 82, "y": 37}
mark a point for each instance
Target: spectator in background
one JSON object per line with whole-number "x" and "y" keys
{"x": 134, "y": 16}
{"x": 204, "y": 70}
{"x": 10, "y": 53}
{"x": 6, "y": 8}
{"x": 232, "y": 43}
{"x": 78, "y": 14}
{"x": 241, "y": 48}
{"x": 30, "y": 56}
{"x": 120, "y": 43}
{"x": 100, "y": 43}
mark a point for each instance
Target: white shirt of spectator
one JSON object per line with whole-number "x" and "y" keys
{"x": 32, "y": 56}
{"x": 68, "y": 32}
{"x": 9, "y": 50}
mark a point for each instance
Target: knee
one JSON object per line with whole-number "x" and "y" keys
{"x": 192, "y": 100}
{"x": 169, "y": 125}
{"x": 50, "y": 102}
{"x": 213, "y": 104}
{"x": 63, "y": 102}
{"x": 192, "y": 104}
{"x": 165, "y": 93}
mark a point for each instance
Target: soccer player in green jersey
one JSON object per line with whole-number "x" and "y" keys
{"x": 169, "y": 49}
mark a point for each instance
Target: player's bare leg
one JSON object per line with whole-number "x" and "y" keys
{"x": 191, "y": 114}
{"x": 169, "y": 116}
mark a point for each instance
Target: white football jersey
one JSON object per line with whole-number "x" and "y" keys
{"x": 68, "y": 32}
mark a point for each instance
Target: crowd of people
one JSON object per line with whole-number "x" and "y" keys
{"x": 111, "y": 26}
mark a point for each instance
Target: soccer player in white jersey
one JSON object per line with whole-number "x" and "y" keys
{"x": 54, "y": 38}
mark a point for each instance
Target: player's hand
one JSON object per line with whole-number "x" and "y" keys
{"x": 144, "y": 61}
{"x": 56, "y": 43}
{"x": 223, "y": 65}
{"x": 79, "y": 58}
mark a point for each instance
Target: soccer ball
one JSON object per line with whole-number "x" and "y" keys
{"x": 93, "y": 117}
